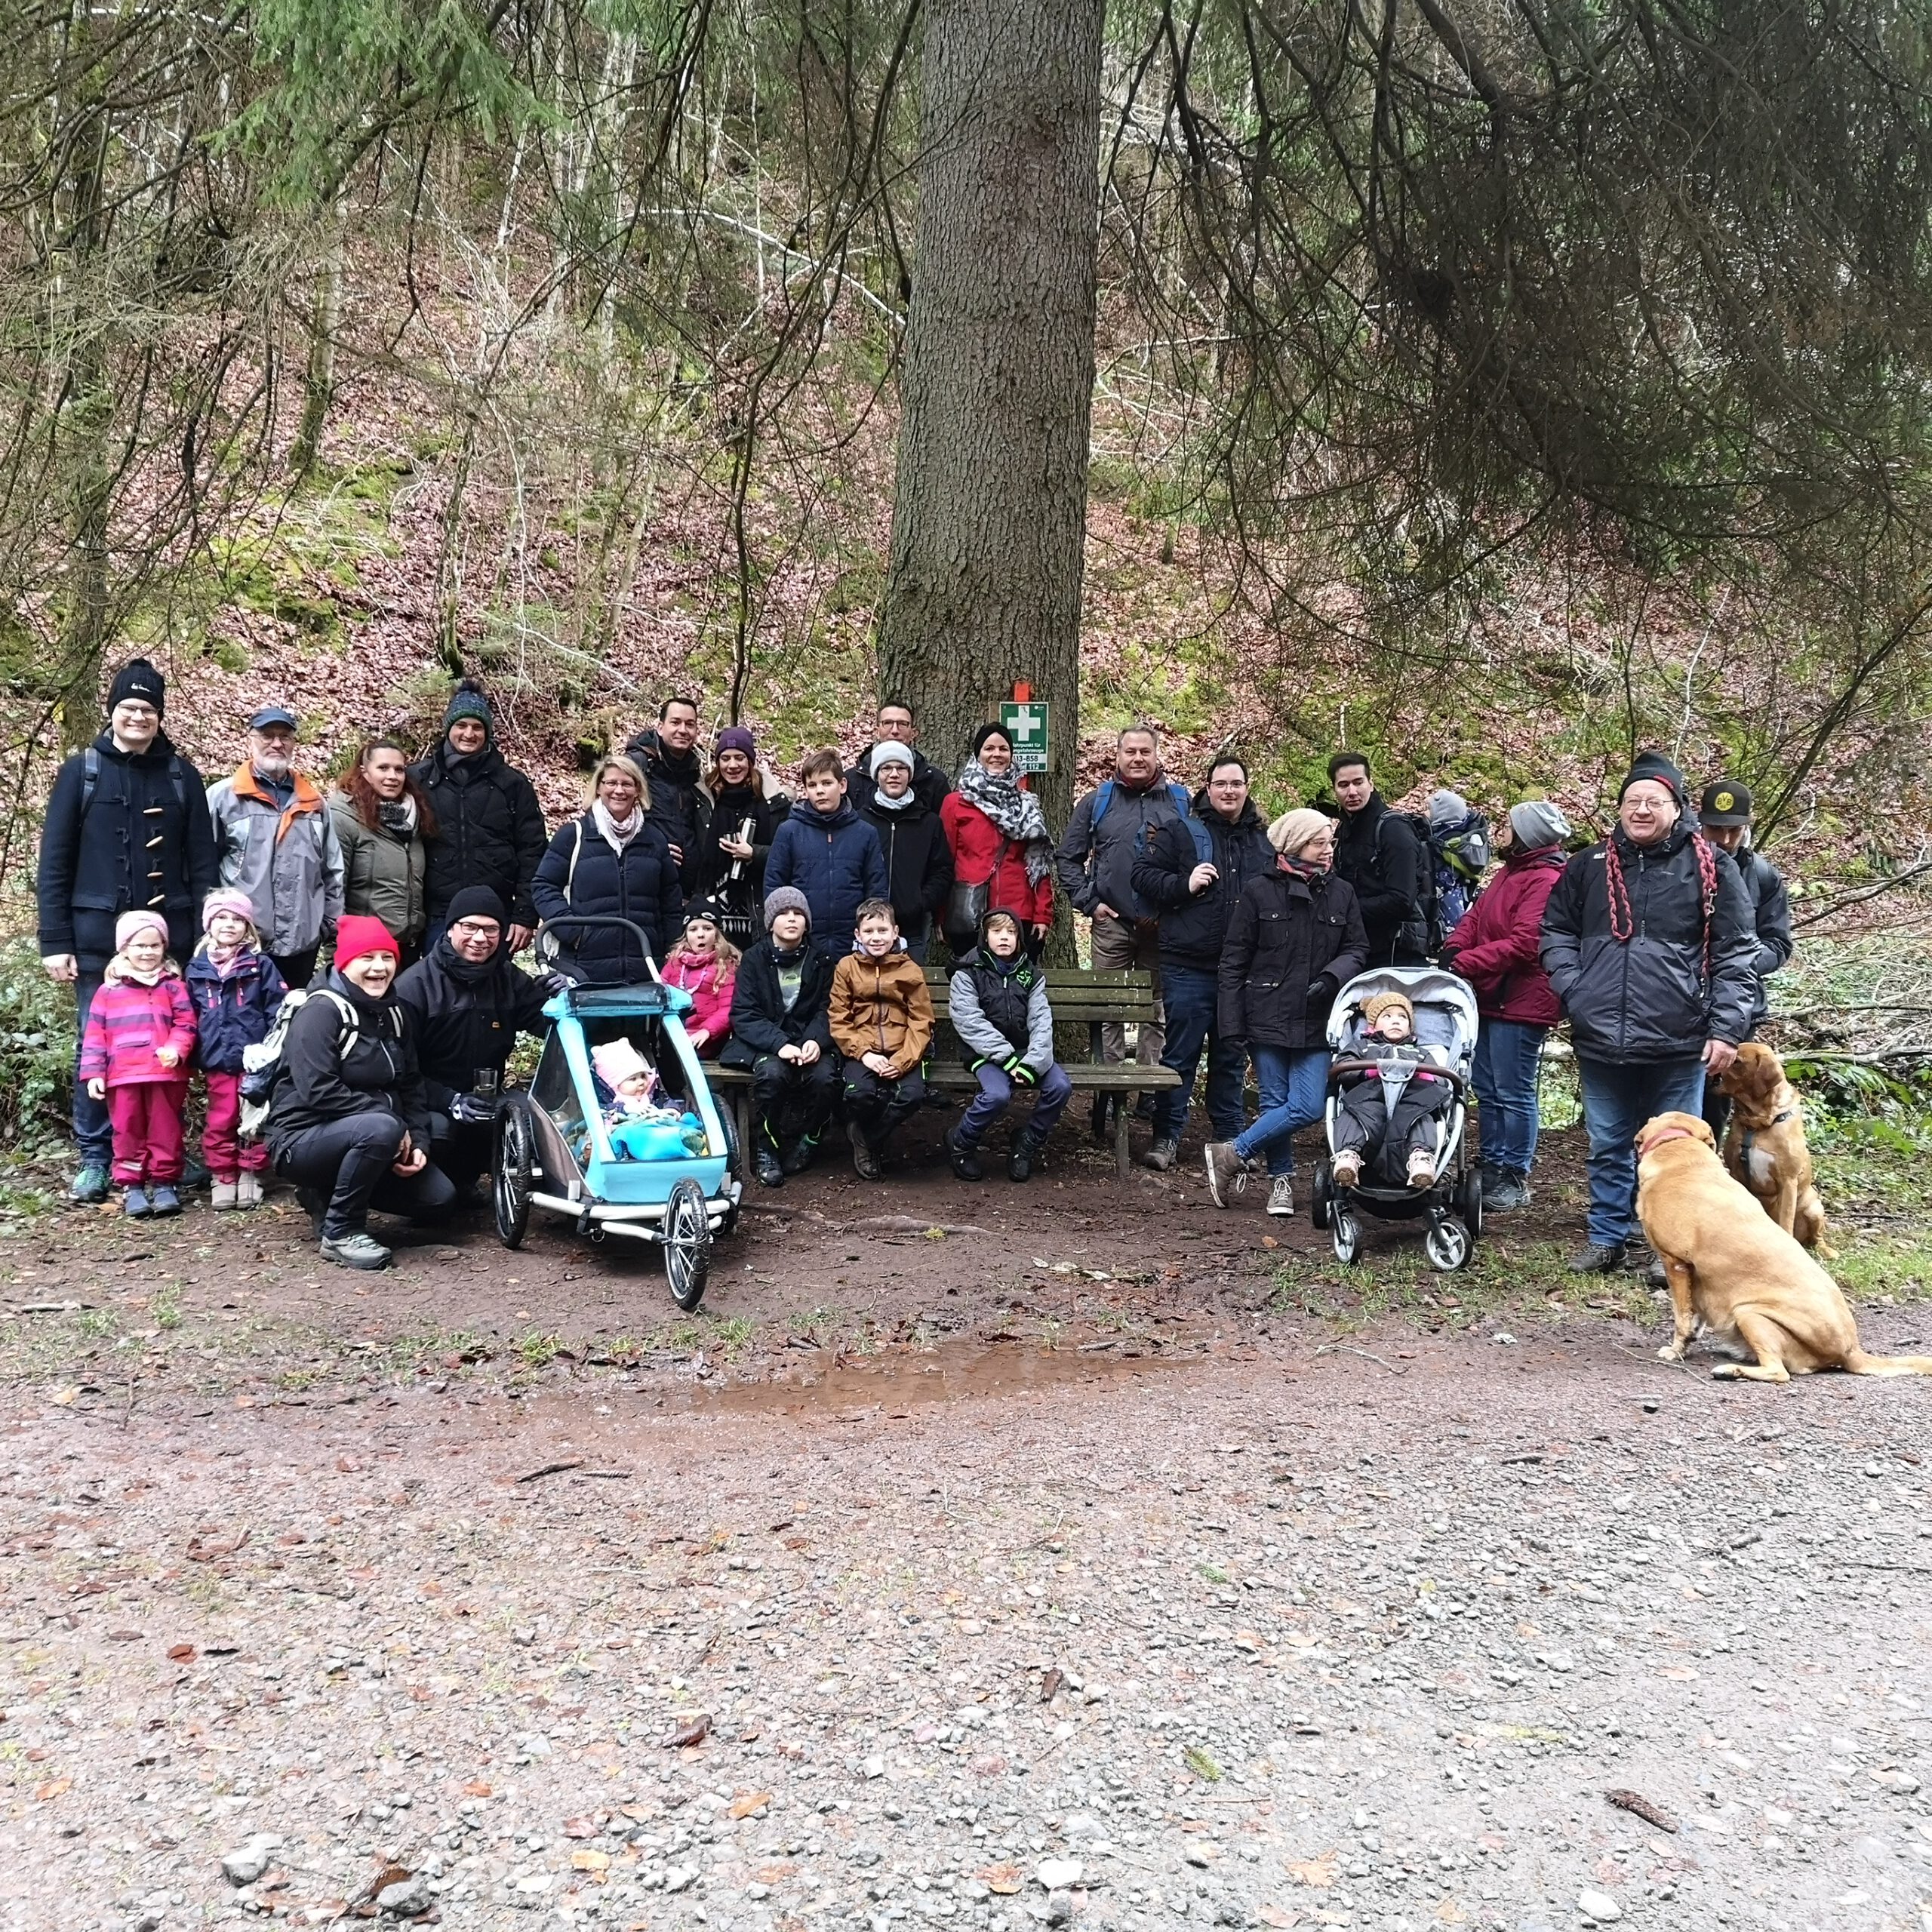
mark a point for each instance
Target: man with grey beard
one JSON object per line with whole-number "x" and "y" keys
{"x": 277, "y": 843}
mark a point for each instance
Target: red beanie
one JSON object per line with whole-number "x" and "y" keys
{"x": 358, "y": 933}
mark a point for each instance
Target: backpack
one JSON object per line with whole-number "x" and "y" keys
{"x": 262, "y": 1064}
{"x": 1423, "y": 929}
{"x": 90, "y": 778}
{"x": 1203, "y": 844}
{"x": 1458, "y": 855}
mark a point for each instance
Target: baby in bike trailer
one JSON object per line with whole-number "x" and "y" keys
{"x": 1393, "y": 1116}
{"x": 645, "y": 1123}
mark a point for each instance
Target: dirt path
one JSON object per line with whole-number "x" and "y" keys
{"x": 1129, "y": 1602}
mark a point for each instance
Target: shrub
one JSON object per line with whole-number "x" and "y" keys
{"x": 36, "y": 1049}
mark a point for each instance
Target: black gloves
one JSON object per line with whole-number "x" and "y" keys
{"x": 1321, "y": 992}
{"x": 471, "y": 1109}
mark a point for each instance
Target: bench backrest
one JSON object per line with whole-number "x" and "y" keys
{"x": 1081, "y": 1003}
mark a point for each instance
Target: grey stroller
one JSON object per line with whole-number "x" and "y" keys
{"x": 1445, "y": 1011}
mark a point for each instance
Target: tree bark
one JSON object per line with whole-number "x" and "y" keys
{"x": 990, "y": 510}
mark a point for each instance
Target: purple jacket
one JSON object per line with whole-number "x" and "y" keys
{"x": 126, "y": 1024}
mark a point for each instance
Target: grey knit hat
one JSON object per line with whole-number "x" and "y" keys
{"x": 1447, "y": 808}
{"x": 786, "y": 899}
{"x": 1536, "y": 822}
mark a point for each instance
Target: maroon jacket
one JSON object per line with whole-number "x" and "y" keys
{"x": 1494, "y": 945}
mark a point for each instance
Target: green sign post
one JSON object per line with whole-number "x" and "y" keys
{"x": 1029, "y": 725}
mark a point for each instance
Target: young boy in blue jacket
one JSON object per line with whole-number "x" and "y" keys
{"x": 829, "y": 853}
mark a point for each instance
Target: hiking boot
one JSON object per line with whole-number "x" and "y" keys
{"x": 355, "y": 1250}
{"x": 1596, "y": 1259}
{"x": 1654, "y": 1275}
{"x": 965, "y": 1155}
{"x": 135, "y": 1204}
{"x": 804, "y": 1153}
{"x": 194, "y": 1173}
{"x": 1227, "y": 1172}
{"x": 248, "y": 1190}
{"x": 91, "y": 1186}
{"x": 223, "y": 1194}
{"x": 1281, "y": 1196}
{"x": 1143, "y": 1110}
{"x": 1507, "y": 1191}
{"x": 865, "y": 1155}
{"x": 765, "y": 1165}
{"x": 1021, "y": 1156}
{"x": 1163, "y": 1154}
{"x": 163, "y": 1201}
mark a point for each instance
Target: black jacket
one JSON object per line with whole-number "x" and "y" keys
{"x": 1377, "y": 853}
{"x": 1770, "y": 908}
{"x": 731, "y": 805}
{"x": 489, "y": 830}
{"x": 143, "y": 839}
{"x": 761, "y": 1024}
{"x": 680, "y": 806}
{"x": 1194, "y": 926}
{"x": 1650, "y": 998}
{"x": 318, "y": 1084}
{"x": 1293, "y": 943}
{"x": 918, "y": 861}
{"x": 583, "y": 873}
{"x": 464, "y": 1018}
{"x": 930, "y": 783}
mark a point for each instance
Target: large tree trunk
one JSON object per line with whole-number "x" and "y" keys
{"x": 989, "y": 516}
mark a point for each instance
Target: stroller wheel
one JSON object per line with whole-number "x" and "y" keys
{"x": 516, "y": 1163}
{"x": 687, "y": 1239}
{"x": 1467, "y": 1196}
{"x": 1448, "y": 1244}
{"x": 1322, "y": 1201}
{"x": 1345, "y": 1231}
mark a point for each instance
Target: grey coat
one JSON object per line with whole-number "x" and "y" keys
{"x": 383, "y": 873}
{"x": 1095, "y": 861}
{"x": 288, "y": 861}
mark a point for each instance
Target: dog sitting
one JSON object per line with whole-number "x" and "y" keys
{"x": 1738, "y": 1274}
{"x": 1764, "y": 1145}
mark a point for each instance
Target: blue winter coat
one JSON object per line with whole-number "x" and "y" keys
{"x": 836, "y": 861}
{"x": 234, "y": 1013}
{"x": 583, "y": 873}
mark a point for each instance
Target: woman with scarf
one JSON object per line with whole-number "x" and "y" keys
{"x": 382, "y": 823}
{"x": 614, "y": 860}
{"x": 1295, "y": 939}
{"x": 741, "y": 820}
{"x": 999, "y": 840}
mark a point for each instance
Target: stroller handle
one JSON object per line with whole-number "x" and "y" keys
{"x": 551, "y": 927}
{"x": 1337, "y": 1067}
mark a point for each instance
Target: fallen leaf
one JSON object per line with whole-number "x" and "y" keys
{"x": 590, "y": 1861}
{"x": 476, "y": 1788}
{"x": 1276, "y": 1914}
{"x": 580, "y": 1828}
{"x": 1050, "y": 1685}
{"x": 53, "y": 1788}
{"x": 1318, "y": 1871}
{"x": 744, "y": 1807}
{"x": 183, "y": 1654}
{"x": 1003, "y": 1879}
{"x": 1451, "y": 1913}
{"x": 65, "y": 1397}
{"x": 199, "y": 1551}
{"x": 1268, "y": 1241}
{"x": 775, "y": 1874}
{"x": 1678, "y": 1674}
{"x": 695, "y": 1732}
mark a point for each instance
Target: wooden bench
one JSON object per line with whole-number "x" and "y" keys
{"x": 1082, "y": 1004}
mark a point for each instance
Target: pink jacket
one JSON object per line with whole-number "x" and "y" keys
{"x": 1495, "y": 945}
{"x": 128, "y": 1021}
{"x": 709, "y": 983}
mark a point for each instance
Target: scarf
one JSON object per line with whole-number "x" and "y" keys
{"x": 619, "y": 832}
{"x": 397, "y": 816}
{"x": 688, "y": 969}
{"x": 1016, "y": 813}
{"x": 227, "y": 960}
{"x": 122, "y": 973}
{"x": 1299, "y": 868}
{"x": 467, "y": 972}
{"x": 910, "y": 797}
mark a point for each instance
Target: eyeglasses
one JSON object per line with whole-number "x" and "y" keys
{"x": 476, "y": 929}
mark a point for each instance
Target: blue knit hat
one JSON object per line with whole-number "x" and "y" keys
{"x": 468, "y": 701}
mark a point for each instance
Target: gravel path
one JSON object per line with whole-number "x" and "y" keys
{"x": 1265, "y": 1636}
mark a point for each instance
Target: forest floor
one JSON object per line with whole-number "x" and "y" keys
{"x": 1106, "y": 1559}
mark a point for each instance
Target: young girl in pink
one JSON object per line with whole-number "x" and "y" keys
{"x": 134, "y": 1055}
{"x": 236, "y": 993}
{"x": 706, "y": 965}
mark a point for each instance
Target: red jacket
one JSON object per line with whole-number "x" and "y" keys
{"x": 128, "y": 1021}
{"x": 976, "y": 842}
{"x": 1494, "y": 946}
{"x": 710, "y": 983}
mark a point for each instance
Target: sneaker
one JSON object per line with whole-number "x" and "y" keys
{"x": 865, "y": 1155}
{"x": 164, "y": 1201}
{"x": 1227, "y": 1172}
{"x": 803, "y": 1154}
{"x": 1347, "y": 1170}
{"x": 1507, "y": 1191}
{"x": 1422, "y": 1170}
{"x": 964, "y": 1156}
{"x": 355, "y": 1250}
{"x": 1281, "y": 1195}
{"x": 134, "y": 1204}
{"x": 247, "y": 1189}
{"x": 92, "y": 1185}
{"x": 1021, "y": 1156}
{"x": 765, "y": 1165}
{"x": 223, "y": 1194}
{"x": 1596, "y": 1259}
{"x": 1163, "y": 1154}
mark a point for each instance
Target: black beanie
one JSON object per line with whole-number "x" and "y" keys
{"x": 995, "y": 730}
{"x": 138, "y": 679}
{"x": 476, "y": 902}
{"x": 1656, "y": 768}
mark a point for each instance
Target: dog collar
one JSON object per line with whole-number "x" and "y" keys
{"x": 1658, "y": 1139}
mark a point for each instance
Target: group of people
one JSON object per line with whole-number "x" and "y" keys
{"x": 800, "y": 927}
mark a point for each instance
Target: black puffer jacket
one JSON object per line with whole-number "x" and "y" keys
{"x": 918, "y": 861}
{"x": 583, "y": 873}
{"x": 761, "y": 1022}
{"x": 1376, "y": 854}
{"x": 142, "y": 841}
{"x": 730, "y": 806}
{"x": 1770, "y": 920}
{"x": 489, "y": 830}
{"x": 464, "y": 1017}
{"x": 1293, "y": 943}
{"x": 317, "y": 1084}
{"x": 680, "y": 806}
{"x": 1648, "y": 996}
{"x": 1194, "y": 926}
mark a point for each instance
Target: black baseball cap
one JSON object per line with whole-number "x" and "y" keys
{"x": 1726, "y": 802}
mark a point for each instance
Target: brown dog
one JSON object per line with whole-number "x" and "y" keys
{"x": 1764, "y": 1145}
{"x": 1737, "y": 1273}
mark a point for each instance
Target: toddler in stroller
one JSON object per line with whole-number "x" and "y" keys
{"x": 1394, "y": 1115}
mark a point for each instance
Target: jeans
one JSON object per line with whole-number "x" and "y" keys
{"x": 148, "y": 1137}
{"x": 1191, "y": 999}
{"x": 1617, "y": 1100}
{"x": 1504, "y": 1069}
{"x": 1119, "y": 946}
{"x": 348, "y": 1160}
{"x": 997, "y": 1088}
{"x": 94, "y": 1134}
{"x": 1294, "y": 1094}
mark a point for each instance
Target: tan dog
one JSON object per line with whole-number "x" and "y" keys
{"x": 1736, "y": 1273}
{"x": 1764, "y": 1145}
